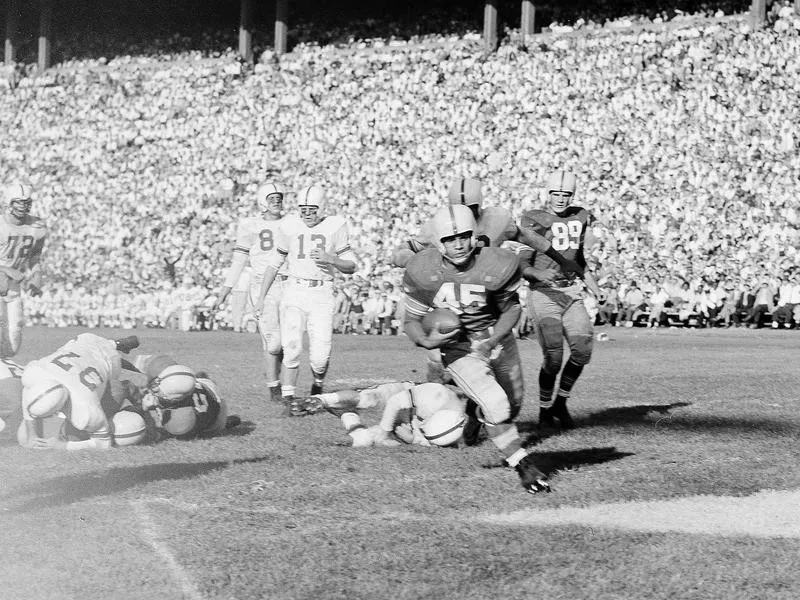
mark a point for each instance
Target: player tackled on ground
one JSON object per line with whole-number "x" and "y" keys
{"x": 255, "y": 240}
{"x": 482, "y": 356}
{"x": 22, "y": 238}
{"x": 555, "y": 301}
{"x": 425, "y": 414}
{"x": 316, "y": 247}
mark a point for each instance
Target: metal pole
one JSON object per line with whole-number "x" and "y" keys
{"x": 246, "y": 31}
{"x": 281, "y": 26}
{"x": 45, "y": 32}
{"x": 529, "y": 20}
{"x": 490, "y": 25}
{"x": 12, "y": 17}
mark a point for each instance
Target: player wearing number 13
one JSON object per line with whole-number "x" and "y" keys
{"x": 556, "y": 298}
{"x": 315, "y": 247}
{"x": 482, "y": 356}
{"x": 255, "y": 242}
{"x": 22, "y": 238}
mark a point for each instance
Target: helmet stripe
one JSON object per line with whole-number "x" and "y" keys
{"x": 453, "y": 219}
{"x": 455, "y": 427}
{"x": 463, "y": 195}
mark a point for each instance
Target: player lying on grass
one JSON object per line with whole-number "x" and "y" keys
{"x": 86, "y": 396}
{"x": 175, "y": 400}
{"x": 70, "y": 399}
{"x": 425, "y": 414}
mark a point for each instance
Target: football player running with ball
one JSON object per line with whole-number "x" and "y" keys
{"x": 315, "y": 247}
{"x": 256, "y": 238}
{"x": 494, "y": 226}
{"x": 22, "y": 238}
{"x": 556, "y": 298}
{"x": 482, "y": 356}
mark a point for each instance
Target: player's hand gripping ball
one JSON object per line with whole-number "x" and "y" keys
{"x": 445, "y": 318}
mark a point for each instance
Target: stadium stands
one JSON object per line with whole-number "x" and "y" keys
{"x": 143, "y": 164}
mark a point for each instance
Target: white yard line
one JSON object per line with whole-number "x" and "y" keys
{"x": 766, "y": 514}
{"x": 150, "y": 535}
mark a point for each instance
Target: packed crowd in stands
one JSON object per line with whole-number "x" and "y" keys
{"x": 684, "y": 139}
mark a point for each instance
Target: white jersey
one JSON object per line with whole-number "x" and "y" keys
{"x": 21, "y": 245}
{"x": 88, "y": 367}
{"x": 257, "y": 238}
{"x": 297, "y": 241}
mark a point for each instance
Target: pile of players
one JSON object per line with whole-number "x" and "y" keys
{"x": 461, "y": 262}
{"x": 92, "y": 394}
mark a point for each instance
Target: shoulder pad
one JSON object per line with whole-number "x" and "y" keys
{"x": 497, "y": 266}
{"x": 35, "y": 222}
{"x": 425, "y": 268}
{"x": 333, "y": 222}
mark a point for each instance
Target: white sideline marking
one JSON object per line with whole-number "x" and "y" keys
{"x": 150, "y": 536}
{"x": 766, "y": 514}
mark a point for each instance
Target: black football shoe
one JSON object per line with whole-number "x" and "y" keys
{"x": 472, "y": 431}
{"x": 531, "y": 478}
{"x": 275, "y": 394}
{"x": 316, "y": 389}
{"x": 233, "y": 421}
{"x": 546, "y": 418}
{"x": 560, "y": 412}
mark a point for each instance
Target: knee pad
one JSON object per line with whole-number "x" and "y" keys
{"x": 551, "y": 339}
{"x": 581, "y": 349}
{"x": 292, "y": 337}
{"x": 475, "y": 379}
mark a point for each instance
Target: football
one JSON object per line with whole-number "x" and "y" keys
{"x": 445, "y": 318}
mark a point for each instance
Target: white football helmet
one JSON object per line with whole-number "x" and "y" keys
{"x": 174, "y": 383}
{"x": 311, "y": 204}
{"x": 129, "y": 428}
{"x": 269, "y": 197}
{"x": 17, "y": 196}
{"x": 44, "y": 398}
{"x": 560, "y": 190}
{"x": 444, "y": 427}
{"x": 452, "y": 220}
{"x": 466, "y": 191}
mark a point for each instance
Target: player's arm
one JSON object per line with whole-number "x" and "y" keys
{"x": 238, "y": 263}
{"x": 343, "y": 259}
{"x": 275, "y": 261}
{"x": 412, "y": 324}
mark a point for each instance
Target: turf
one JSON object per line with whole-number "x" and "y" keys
{"x": 282, "y": 508}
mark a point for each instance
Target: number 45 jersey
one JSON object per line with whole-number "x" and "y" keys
{"x": 478, "y": 294}
{"x": 297, "y": 241}
{"x": 565, "y": 232}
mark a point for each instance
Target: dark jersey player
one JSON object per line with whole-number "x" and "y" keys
{"x": 482, "y": 356}
{"x": 555, "y": 301}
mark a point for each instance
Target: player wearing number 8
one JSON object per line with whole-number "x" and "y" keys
{"x": 555, "y": 301}
{"x": 22, "y": 238}
{"x": 314, "y": 247}
{"x": 255, "y": 241}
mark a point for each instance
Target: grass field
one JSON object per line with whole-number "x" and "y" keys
{"x": 682, "y": 481}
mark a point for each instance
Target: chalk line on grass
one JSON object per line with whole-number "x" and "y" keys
{"x": 150, "y": 535}
{"x": 766, "y": 514}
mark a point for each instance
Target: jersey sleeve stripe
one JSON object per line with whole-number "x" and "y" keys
{"x": 241, "y": 249}
{"x": 282, "y": 251}
{"x": 415, "y": 307}
{"x": 344, "y": 249}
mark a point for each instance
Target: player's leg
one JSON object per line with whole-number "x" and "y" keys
{"x": 238, "y": 304}
{"x": 580, "y": 338}
{"x": 320, "y": 335}
{"x": 475, "y": 378}
{"x": 11, "y": 323}
{"x": 269, "y": 328}
{"x": 507, "y": 369}
{"x": 546, "y": 312}
{"x": 293, "y": 324}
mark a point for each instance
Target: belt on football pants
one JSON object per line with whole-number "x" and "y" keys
{"x": 308, "y": 282}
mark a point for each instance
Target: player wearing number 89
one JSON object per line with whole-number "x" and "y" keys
{"x": 556, "y": 298}
{"x": 22, "y": 238}
{"x": 255, "y": 241}
{"x": 482, "y": 356}
{"x": 314, "y": 247}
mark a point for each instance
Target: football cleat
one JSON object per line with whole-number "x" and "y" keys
{"x": 233, "y": 421}
{"x": 127, "y": 344}
{"x": 275, "y": 394}
{"x": 546, "y": 417}
{"x": 316, "y": 389}
{"x": 561, "y": 413}
{"x": 472, "y": 431}
{"x": 531, "y": 478}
